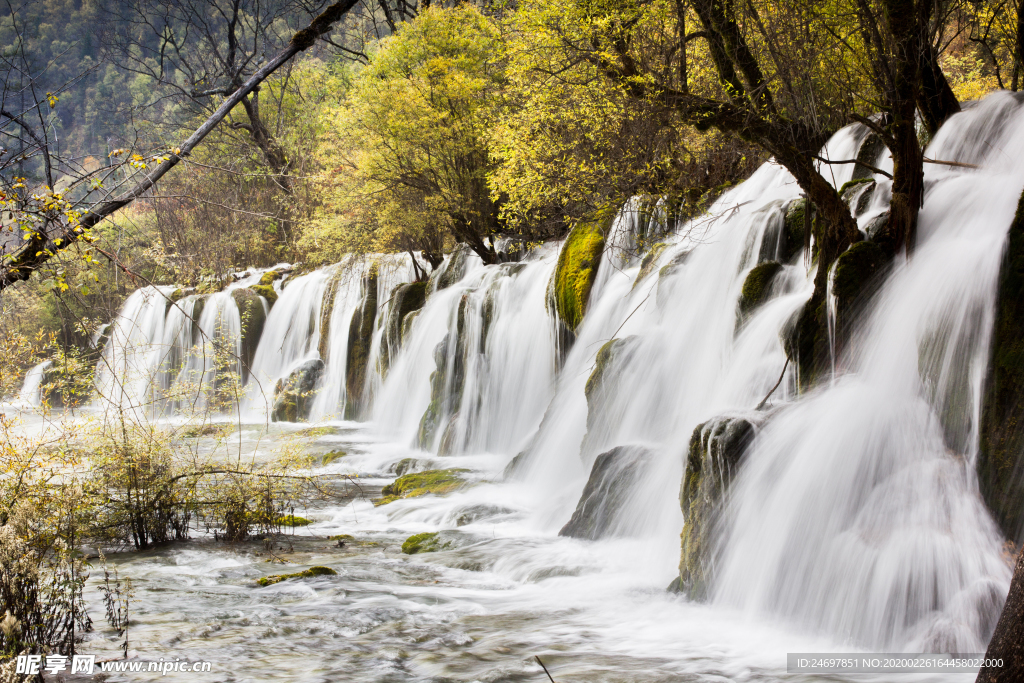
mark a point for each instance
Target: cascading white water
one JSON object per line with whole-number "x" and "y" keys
{"x": 31, "y": 387}
{"x": 860, "y": 495}
{"x": 855, "y": 513}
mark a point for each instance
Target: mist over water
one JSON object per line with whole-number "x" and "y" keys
{"x": 854, "y": 521}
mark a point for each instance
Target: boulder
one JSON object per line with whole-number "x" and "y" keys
{"x": 293, "y": 395}
{"x": 611, "y": 481}
{"x": 716, "y": 450}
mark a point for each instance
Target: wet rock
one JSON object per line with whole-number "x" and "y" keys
{"x": 293, "y": 395}
{"x": 1007, "y": 643}
{"x": 611, "y": 481}
{"x": 757, "y": 286}
{"x": 577, "y": 268}
{"x": 453, "y": 270}
{"x": 1000, "y": 460}
{"x": 649, "y": 261}
{"x": 857, "y": 193}
{"x": 405, "y": 299}
{"x": 858, "y": 271}
{"x": 610, "y": 361}
{"x": 870, "y": 149}
{"x": 360, "y": 341}
{"x": 267, "y": 292}
{"x": 716, "y": 450}
{"x": 253, "y": 318}
{"x": 447, "y": 382}
{"x": 796, "y": 225}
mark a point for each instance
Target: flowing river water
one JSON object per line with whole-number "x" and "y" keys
{"x": 854, "y": 522}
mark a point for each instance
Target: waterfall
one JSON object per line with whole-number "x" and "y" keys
{"x": 31, "y": 387}
{"x": 854, "y": 511}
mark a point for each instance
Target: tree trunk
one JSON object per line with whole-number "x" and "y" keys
{"x": 938, "y": 102}
{"x": 1007, "y": 642}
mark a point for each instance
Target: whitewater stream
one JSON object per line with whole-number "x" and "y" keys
{"x": 853, "y": 524}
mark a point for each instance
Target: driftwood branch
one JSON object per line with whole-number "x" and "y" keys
{"x": 41, "y": 247}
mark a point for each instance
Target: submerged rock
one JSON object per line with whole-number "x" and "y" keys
{"x": 1001, "y": 456}
{"x": 611, "y": 479}
{"x": 437, "y": 482}
{"x": 757, "y": 286}
{"x": 293, "y": 396}
{"x": 429, "y": 542}
{"x": 649, "y": 261}
{"x": 360, "y": 340}
{"x": 716, "y": 449}
{"x": 577, "y": 269}
{"x": 307, "y": 574}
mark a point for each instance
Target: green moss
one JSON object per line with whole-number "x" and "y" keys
{"x": 307, "y": 574}
{"x": 429, "y": 542}
{"x": 577, "y": 269}
{"x": 328, "y": 458}
{"x": 1000, "y": 462}
{"x": 856, "y": 196}
{"x": 292, "y": 520}
{"x": 757, "y": 285}
{"x": 795, "y": 228}
{"x": 870, "y": 149}
{"x": 327, "y": 311}
{"x": 437, "y": 482}
{"x": 267, "y": 292}
{"x": 855, "y": 271}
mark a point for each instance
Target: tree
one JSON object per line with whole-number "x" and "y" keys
{"x": 410, "y": 139}
{"x": 52, "y": 222}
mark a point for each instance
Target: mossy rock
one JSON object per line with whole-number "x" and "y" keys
{"x": 857, "y": 193}
{"x": 328, "y": 458}
{"x": 714, "y": 455}
{"x": 436, "y": 482}
{"x": 453, "y": 270}
{"x": 267, "y": 292}
{"x": 757, "y": 286}
{"x": 293, "y": 396}
{"x": 307, "y": 574}
{"x": 429, "y": 542}
{"x": 253, "y": 318}
{"x": 403, "y": 466}
{"x": 796, "y": 228}
{"x": 405, "y": 299}
{"x": 649, "y": 261}
{"x": 1000, "y": 462}
{"x": 327, "y": 311}
{"x": 292, "y": 521}
{"x": 870, "y": 149}
{"x": 857, "y": 272}
{"x": 577, "y": 268}
{"x": 805, "y": 339}
{"x": 360, "y": 341}
{"x": 271, "y": 276}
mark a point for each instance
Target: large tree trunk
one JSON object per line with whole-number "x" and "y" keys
{"x": 1007, "y": 642}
